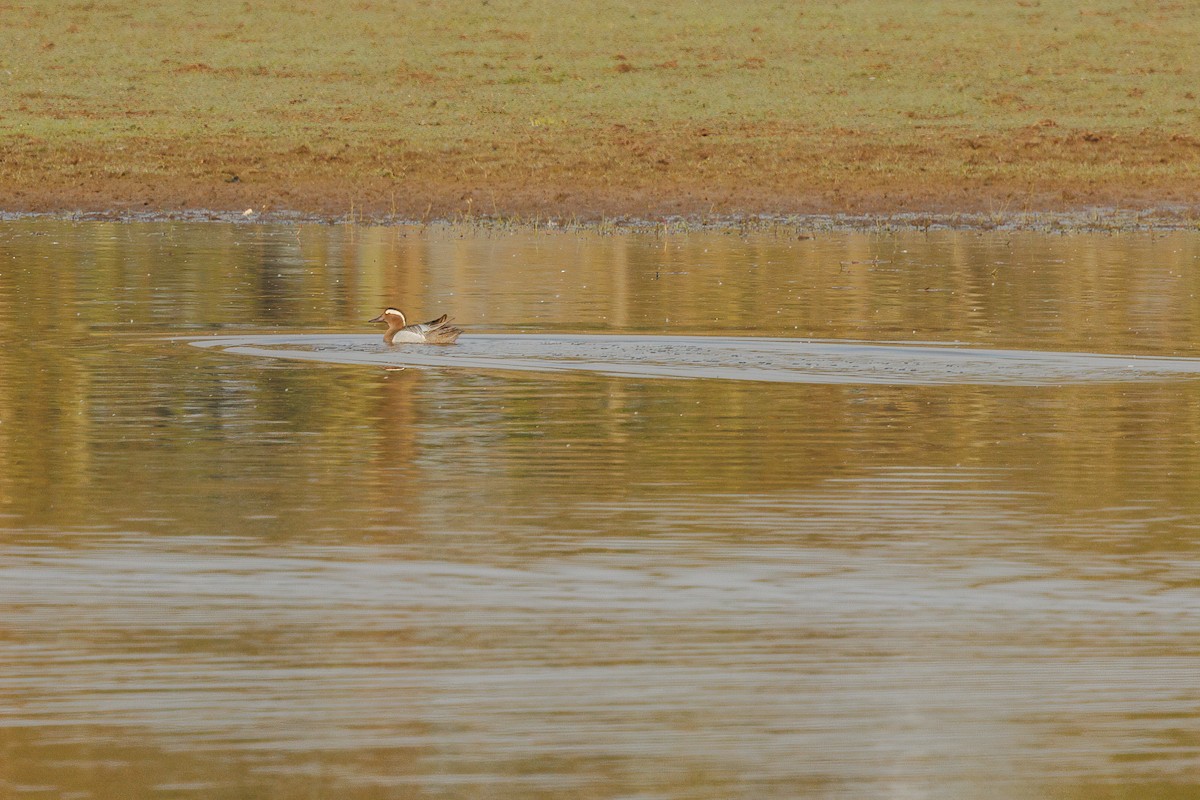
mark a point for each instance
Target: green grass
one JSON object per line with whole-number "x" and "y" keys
{"x": 835, "y": 90}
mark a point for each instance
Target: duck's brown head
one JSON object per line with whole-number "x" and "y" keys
{"x": 394, "y": 317}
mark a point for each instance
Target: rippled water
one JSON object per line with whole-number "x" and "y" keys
{"x": 743, "y": 358}
{"x": 531, "y": 566}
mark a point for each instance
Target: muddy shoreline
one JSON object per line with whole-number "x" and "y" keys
{"x": 1041, "y": 181}
{"x": 1176, "y": 217}
{"x": 301, "y": 194}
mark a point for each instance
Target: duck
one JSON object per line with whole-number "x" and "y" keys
{"x": 436, "y": 331}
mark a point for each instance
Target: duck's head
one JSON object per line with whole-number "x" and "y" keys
{"x": 394, "y": 317}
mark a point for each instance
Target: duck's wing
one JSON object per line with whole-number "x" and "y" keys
{"x": 422, "y": 328}
{"x": 444, "y": 333}
{"x": 436, "y": 331}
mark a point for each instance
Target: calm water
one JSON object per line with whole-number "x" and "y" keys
{"x": 224, "y": 575}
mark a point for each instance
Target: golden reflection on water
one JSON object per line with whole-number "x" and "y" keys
{"x": 226, "y": 576}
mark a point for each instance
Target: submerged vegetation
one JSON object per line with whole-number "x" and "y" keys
{"x": 428, "y": 110}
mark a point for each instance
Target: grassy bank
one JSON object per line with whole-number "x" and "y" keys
{"x": 601, "y": 108}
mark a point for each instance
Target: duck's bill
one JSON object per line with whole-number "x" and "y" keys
{"x": 377, "y": 319}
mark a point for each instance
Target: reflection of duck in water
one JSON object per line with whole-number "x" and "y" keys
{"x": 436, "y": 331}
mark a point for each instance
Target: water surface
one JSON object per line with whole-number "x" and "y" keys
{"x": 230, "y": 575}
{"x": 742, "y": 358}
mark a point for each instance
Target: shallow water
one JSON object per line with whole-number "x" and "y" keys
{"x": 591, "y": 552}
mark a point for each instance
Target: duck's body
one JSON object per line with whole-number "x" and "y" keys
{"x": 436, "y": 331}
